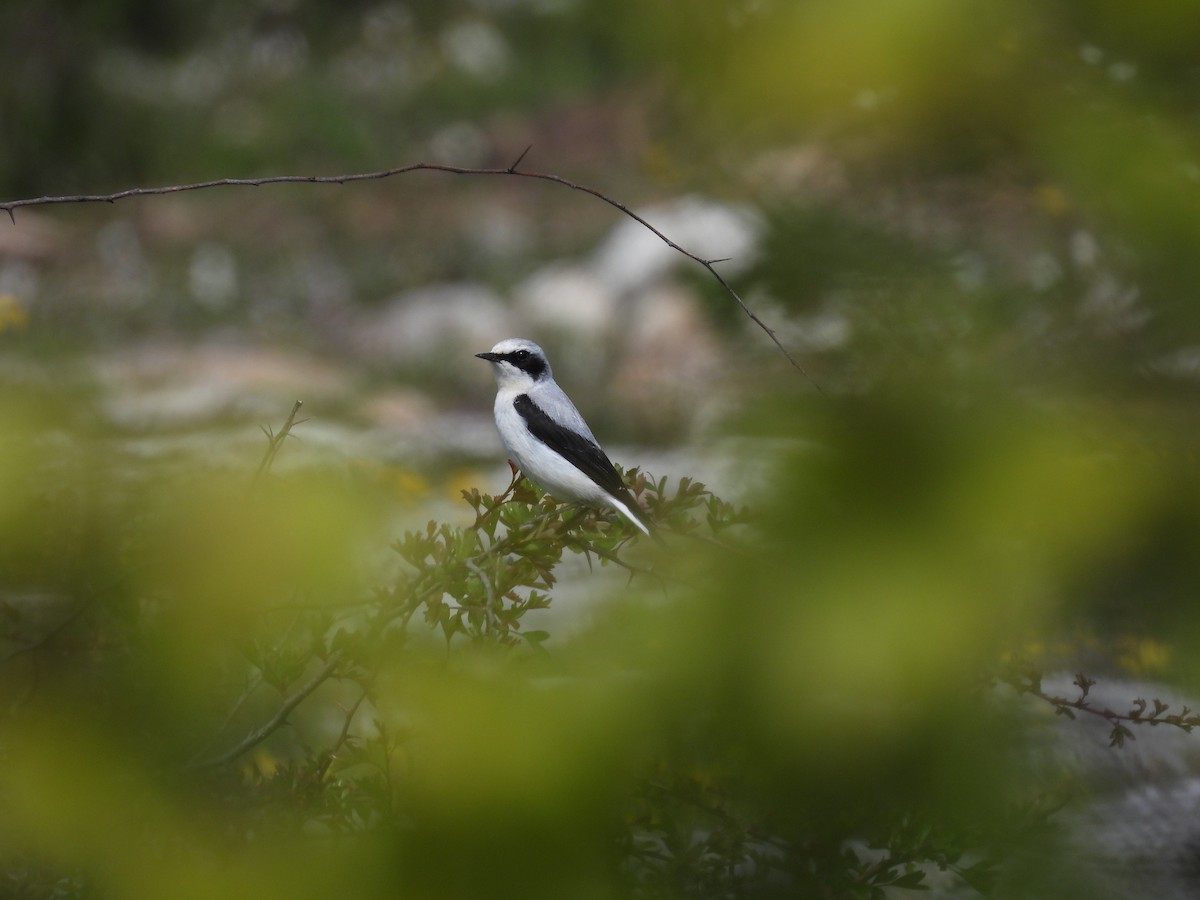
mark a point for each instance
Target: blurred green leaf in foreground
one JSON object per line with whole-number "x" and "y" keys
{"x": 213, "y": 689}
{"x": 790, "y": 699}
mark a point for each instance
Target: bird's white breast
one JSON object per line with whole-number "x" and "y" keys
{"x": 539, "y": 462}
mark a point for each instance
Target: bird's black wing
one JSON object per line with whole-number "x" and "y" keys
{"x": 582, "y": 453}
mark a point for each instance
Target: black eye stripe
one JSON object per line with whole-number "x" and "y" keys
{"x": 527, "y": 362}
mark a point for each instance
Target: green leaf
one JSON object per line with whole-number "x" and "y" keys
{"x": 981, "y": 876}
{"x": 913, "y": 881}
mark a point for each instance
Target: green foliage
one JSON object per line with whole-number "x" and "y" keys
{"x": 124, "y": 90}
{"x": 982, "y": 221}
{"x": 691, "y": 736}
{"x": 243, "y": 601}
{"x": 750, "y": 711}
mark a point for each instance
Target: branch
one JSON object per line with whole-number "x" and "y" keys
{"x": 1139, "y": 713}
{"x": 343, "y": 736}
{"x": 586, "y": 547}
{"x": 49, "y": 635}
{"x": 275, "y": 441}
{"x": 723, "y": 815}
{"x": 269, "y": 727}
{"x": 491, "y": 604}
{"x": 11, "y": 206}
{"x": 252, "y": 685}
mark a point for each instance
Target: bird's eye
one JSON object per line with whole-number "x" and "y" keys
{"x": 521, "y": 355}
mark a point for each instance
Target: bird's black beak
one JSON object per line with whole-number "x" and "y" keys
{"x": 490, "y": 357}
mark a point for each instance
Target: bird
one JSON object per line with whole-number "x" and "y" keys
{"x": 547, "y": 437}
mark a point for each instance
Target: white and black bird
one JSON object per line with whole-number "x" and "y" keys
{"x": 547, "y": 437}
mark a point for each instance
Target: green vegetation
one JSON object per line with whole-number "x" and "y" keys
{"x": 980, "y": 231}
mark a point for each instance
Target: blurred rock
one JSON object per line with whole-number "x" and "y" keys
{"x": 566, "y": 298}
{"x": 499, "y": 232}
{"x": 128, "y": 278}
{"x": 477, "y": 48}
{"x": 432, "y": 325}
{"x": 33, "y": 238}
{"x": 1135, "y": 834}
{"x": 19, "y": 279}
{"x": 664, "y": 381}
{"x": 1140, "y": 842}
{"x": 632, "y": 257}
{"x": 174, "y": 385}
{"x": 213, "y": 276}
{"x": 396, "y": 407}
{"x": 459, "y": 144}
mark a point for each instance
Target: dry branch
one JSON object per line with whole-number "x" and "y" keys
{"x": 11, "y": 206}
{"x": 277, "y": 719}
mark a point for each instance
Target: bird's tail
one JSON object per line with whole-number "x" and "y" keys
{"x": 629, "y": 509}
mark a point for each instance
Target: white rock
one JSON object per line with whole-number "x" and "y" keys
{"x": 432, "y": 321}
{"x": 566, "y": 298}
{"x": 632, "y": 256}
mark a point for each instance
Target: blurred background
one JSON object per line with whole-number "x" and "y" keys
{"x": 975, "y": 226}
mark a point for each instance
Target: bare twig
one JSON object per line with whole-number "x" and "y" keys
{"x": 585, "y": 547}
{"x": 350, "y": 713}
{"x": 269, "y": 727}
{"x": 1140, "y": 712}
{"x": 11, "y": 206}
{"x": 275, "y": 441}
{"x": 49, "y": 635}
{"x": 342, "y": 737}
{"x": 252, "y": 685}
{"x": 490, "y": 604}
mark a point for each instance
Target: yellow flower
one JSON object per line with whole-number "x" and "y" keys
{"x": 1052, "y": 199}
{"x": 13, "y": 314}
{"x": 1143, "y": 656}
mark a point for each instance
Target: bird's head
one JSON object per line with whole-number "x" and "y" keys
{"x": 518, "y": 363}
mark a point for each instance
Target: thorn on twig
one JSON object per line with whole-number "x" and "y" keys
{"x": 512, "y": 169}
{"x": 12, "y": 216}
{"x": 275, "y": 440}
